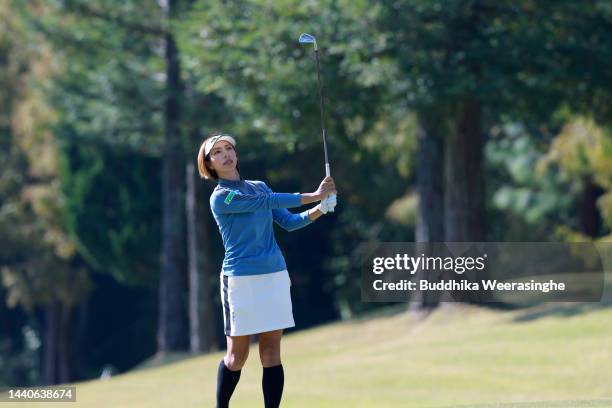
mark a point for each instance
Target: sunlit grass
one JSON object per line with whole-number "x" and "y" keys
{"x": 558, "y": 355}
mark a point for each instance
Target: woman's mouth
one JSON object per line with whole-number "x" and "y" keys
{"x": 227, "y": 162}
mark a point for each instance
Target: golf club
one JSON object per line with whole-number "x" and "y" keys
{"x": 310, "y": 39}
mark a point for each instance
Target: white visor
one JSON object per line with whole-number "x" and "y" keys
{"x": 213, "y": 140}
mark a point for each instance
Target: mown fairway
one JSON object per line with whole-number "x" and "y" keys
{"x": 550, "y": 356}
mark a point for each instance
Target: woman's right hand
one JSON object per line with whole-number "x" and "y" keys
{"x": 326, "y": 188}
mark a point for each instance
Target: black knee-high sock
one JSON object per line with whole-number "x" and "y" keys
{"x": 272, "y": 383}
{"x": 226, "y": 383}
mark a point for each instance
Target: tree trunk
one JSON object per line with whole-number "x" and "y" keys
{"x": 64, "y": 354}
{"x": 589, "y": 219}
{"x": 430, "y": 182}
{"x": 202, "y": 333}
{"x": 57, "y": 345}
{"x": 464, "y": 185}
{"x": 430, "y": 188}
{"x": 81, "y": 320}
{"x": 52, "y": 324}
{"x": 172, "y": 327}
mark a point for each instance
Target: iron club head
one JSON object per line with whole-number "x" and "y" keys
{"x": 308, "y": 39}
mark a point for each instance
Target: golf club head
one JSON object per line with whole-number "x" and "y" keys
{"x": 308, "y": 39}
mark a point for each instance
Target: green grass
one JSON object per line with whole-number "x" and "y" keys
{"x": 551, "y": 356}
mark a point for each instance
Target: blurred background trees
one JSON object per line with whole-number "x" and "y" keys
{"x": 452, "y": 120}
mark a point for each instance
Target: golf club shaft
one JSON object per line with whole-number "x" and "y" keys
{"x": 322, "y": 111}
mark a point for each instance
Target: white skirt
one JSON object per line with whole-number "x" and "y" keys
{"x": 256, "y": 303}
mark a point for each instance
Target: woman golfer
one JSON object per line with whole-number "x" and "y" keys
{"x": 254, "y": 279}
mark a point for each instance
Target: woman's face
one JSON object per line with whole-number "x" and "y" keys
{"x": 223, "y": 158}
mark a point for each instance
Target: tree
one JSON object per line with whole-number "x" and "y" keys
{"x": 39, "y": 266}
{"x": 119, "y": 90}
{"x": 172, "y": 334}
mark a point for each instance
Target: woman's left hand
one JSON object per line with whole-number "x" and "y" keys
{"x": 328, "y": 204}
{"x": 327, "y": 187}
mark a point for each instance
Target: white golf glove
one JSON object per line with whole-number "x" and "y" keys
{"x": 328, "y": 204}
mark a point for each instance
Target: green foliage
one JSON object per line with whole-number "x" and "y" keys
{"x": 537, "y": 199}
{"x": 20, "y": 366}
{"x": 247, "y": 52}
{"x": 109, "y": 61}
{"x": 112, "y": 210}
{"x": 108, "y": 95}
{"x": 528, "y": 195}
{"x": 583, "y": 151}
{"x": 36, "y": 256}
{"x": 542, "y": 183}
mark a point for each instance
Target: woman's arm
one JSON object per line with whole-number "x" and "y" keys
{"x": 231, "y": 201}
{"x": 226, "y": 201}
{"x": 291, "y": 222}
{"x": 315, "y": 212}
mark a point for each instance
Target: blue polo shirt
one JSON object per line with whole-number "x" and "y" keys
{"x": 244, "y": 211}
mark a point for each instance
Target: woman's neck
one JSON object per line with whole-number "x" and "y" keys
{"x": 231, "y": 175}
